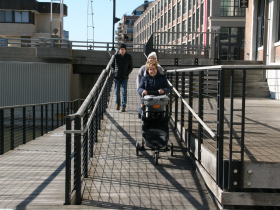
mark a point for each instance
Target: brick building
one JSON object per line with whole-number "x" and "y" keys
{"x": 262, "y": 39}
{"x": 178, "y": 18}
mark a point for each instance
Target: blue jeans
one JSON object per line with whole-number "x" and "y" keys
{"x": 118, "y": 84}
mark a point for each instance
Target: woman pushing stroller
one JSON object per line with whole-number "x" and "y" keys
{"x": 154, "y": 110}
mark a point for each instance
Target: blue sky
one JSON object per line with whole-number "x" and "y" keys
{"x": 76, "y": 22}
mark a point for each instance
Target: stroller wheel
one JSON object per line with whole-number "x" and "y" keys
{"x": 156, "y": 158}
{"x": 137, "y": 149}
{"x": 171, "y": 149}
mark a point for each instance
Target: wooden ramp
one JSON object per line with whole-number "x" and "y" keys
{"x": 33, "y": 175}
{"x": 121, "y": 180}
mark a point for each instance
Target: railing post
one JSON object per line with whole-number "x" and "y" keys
{"x": 61, "y": 114}
{"x": 34, "y": 122}
{"x": 85, "y": 146}
{"x": 176, "y": 98}
{"x": 68, "y": 163}
{"x": 57, "y": 115}
{"x": 77, "y": 161}
{"x": 24, "y": 125}
{"x": 231, "y": 130}
{"x": 46, "y": 116}
{"x": 42, "y": 120}
{"x": 171, "y": 80}
{"x": 243, "y": 125}
{"x": 2, "y": 131}
{"x": 182, "y": 104}
{"x": 190, "y": 121}
{"x": 12, "y": 128}
{"x": 52, "y": 117}
{"x": 200, "y": 112}
{"x": 220, "y": 128}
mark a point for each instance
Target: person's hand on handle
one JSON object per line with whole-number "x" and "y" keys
{"x": 145, "y": 92}
{"x": 160, "y": 91}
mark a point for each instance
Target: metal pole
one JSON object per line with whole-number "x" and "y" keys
{"x": 220, "y": 129}
{"x": 2, "y": 131}
{"x": 68, "y": 164}
{"x": 114, "y": 8}
{"x": 77, "y": 161}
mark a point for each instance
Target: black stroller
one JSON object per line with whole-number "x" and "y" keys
{"x": 155, "y": 131}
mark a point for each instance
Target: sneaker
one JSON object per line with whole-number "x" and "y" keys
{"x": 118, "y": 106}
{"x": 123, "y": 109}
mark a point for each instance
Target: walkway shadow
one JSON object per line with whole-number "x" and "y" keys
{"x": 184, "y": 164}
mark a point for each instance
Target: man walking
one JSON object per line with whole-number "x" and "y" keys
{"x": 122, "y": 67}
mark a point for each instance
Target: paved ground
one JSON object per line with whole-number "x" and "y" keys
{"x": 120, "y": 179}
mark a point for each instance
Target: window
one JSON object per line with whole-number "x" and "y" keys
{"x": 21, "y": 17}
{"x": 169, "y": 1}
{"x": 6, "y": 16}
{"x": 161, "y": 21}
{"x": 230, "y": 8}
{"x": 190, "y": 24}
{"x": 139, "y": 13}
{"x": 197, "y": 19}
{"x": 173, "y": 33}
{"x": 156, "y": 10}
{"x": 184, "y": 26}
{"x": 165, "y": 19}
{"x": 174, "y": 13}
{"x": 260, "y": 23}
{"x": 184, "y": 6}
{"x": 201, "y": 14}
{"x": 169, "y": 16}
{"x": 278, "y": 25}
{"x": 179, "y": 10}
{"x": 190, "y": 4}
{"x": 165, "y": 3}
{"x": 169, "y": 35}
{"x": 179, "y": 31}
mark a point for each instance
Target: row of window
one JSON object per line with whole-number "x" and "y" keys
{"x": 14, "y": 17}
{"x": 227, "y": 8}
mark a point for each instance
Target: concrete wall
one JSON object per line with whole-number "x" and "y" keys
{"x": 16, "y": 29}
{"x": 33, "y": 83}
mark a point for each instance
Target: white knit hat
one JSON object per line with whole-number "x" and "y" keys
{"x": 152, "y": 54}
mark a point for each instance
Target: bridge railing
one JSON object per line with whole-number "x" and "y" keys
{"x": 208, "y": 110}
{"x": 81, "y": 136}
{"x": 64, "y": 43}
{"x": 190, "y": 44}
{"x": 21, "y": 124}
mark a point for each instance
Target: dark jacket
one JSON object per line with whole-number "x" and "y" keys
{"x": 122, "y": 65}
{"x": 153, "y": 84}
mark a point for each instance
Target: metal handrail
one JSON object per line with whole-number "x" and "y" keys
{"x": 193, "y": 112}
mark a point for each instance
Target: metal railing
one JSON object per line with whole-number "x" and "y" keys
{"x": 211, "y": 117}
{"x": 190, "y": 44}
{"x": 81, "y": 136}
{"x": 64, "y": 43}
{"x": 21, "y": 124}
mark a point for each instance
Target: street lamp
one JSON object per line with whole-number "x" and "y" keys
{"x": 115, "y": 20}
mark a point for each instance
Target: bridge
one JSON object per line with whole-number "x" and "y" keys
{"x": 82, "y": 152}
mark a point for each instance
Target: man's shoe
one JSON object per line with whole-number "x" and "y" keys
{"x": 118, "y": 106}
{"x": 123, "y": 109}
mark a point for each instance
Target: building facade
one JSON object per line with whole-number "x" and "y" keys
{"x": 262, "y": 39}
{"x": 124, "y": 33}
{"x": 31, "y": 19}
{"x": 182, "y": 22}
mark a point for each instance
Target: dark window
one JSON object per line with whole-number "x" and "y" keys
{"x": 178, "y": 31}
{"x": 173, "y": 33}
{"x": 169, "y": 16}
{"x": 231, "y": 8}
{"x": 6, "y": 16}
{"x": 174, "y": 13}
{"x": 179, "y": 10}
{"x": 260, "y": 22}
{"x": 184, "y": 6}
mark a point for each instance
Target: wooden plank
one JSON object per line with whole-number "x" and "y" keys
{"x": 251, "y": 199}
{"x": 261, "y": 175}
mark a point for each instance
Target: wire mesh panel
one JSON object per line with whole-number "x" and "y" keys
{"x": 21, "y": 124}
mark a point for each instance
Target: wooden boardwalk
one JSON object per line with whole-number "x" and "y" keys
{"x": 33, "y": 176}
